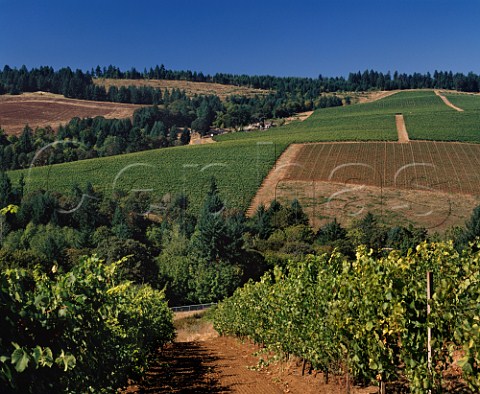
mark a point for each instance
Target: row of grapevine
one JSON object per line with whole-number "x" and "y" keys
{"x": 238, "y": 167}
{"x": 82, "y": 331}
{"x": 367, "y": 317}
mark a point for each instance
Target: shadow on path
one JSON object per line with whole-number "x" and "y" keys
{"x": 183, "y": 367}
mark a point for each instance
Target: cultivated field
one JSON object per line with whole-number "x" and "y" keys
{"x": 47, "y": 109}
{"x": 468, "y": 102}
{"x": 238, "y": 167}
{"x": 411, "y": 183}
{"x": 440, "y": 166}
{"x": 190, "y": 88}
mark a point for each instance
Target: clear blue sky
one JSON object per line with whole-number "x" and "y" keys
{"x": 294, "y": 38}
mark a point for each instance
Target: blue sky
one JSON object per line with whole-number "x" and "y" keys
{"x": 285, "y": 38}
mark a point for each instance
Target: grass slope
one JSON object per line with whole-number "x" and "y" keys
{"x": 442, "y": 123}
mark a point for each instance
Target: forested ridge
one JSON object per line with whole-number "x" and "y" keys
{"x": 171, "y": 124}
{"x": 79, "y": 84}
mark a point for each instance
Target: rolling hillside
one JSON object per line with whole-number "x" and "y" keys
{"x": 426, "y": 117}
{"x": 241, "y": 160}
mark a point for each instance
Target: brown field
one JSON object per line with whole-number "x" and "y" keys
{"x": 324, "y": 201}
{"x": 46, "y": 109}
{"x": 431, "y": 184}
{"x": 190, "y": 88}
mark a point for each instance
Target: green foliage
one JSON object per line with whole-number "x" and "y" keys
{"x": 238, "y": 168}
{"x": 283, "y": 216}
{"x": 86, "y": 330}
{"x": 260, "y": 223}
{"x": 46, "y": 242}
{"x": 331, "y": 232}
{"x": 218, "y": 234}
{"x": 471, "y": 231}
{"x": 403, "y": 239}
{"x": 367, "y": 317}
{"x": 190, "y": 278}
{"x": 140, "y": 267}
{"x": 367, "y": 231}
{"x": 5, "y": 190}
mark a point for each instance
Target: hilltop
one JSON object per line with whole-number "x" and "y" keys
{"x": 191, "y": 88}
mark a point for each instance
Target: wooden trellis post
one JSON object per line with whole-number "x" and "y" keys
{"x": 429, "y": 329}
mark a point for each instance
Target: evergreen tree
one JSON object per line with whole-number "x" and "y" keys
{"x": 119, "y": 225}
{"x": 331, "y": 232}
{"x": 211, "y": 234}
{"x": 403, "y": 239}
{"x": 369, "y": 232}
{"x": 185, "y": 137}
{"x": 25, "y": 142}
{"x": 5, "y": 190}
{"x": 471, "y": 231}
{"x": 260, "y": 223}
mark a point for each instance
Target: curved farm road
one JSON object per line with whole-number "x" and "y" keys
{"x": 279, "y": 171}
{"x": 447, "y": 101}
{"x": 202, "y": 362}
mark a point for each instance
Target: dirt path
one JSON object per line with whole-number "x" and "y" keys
{"x": 214, "y": 364}
{"x": 219, "y": 365}
{"x": 202, "y": 141}
{"x": 371, "y": 97}
{"x": 280, "y": 169}
{"x": 401, "y": 129}
{"x": 447, "y": 101}
{"x": 301, "y": 116}
{"x": 200, "y": 361}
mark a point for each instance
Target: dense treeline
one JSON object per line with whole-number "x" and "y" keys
{"x": 80, "y": 84}
{"x": 238, "y": 111}
{"x": 287, "y": 94}
{"x": 369, "y": 79}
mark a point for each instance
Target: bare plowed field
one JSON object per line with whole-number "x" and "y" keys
{"x": 45, "y": 109}
{"x": 431, "y": 184}
{"x": 419, "y": 165}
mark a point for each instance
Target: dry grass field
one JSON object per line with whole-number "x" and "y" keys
{"x": 190, "y": 88}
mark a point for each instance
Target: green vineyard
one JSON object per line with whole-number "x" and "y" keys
{"x": 86, "y": 330}
{"x": 368, "y": 318}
